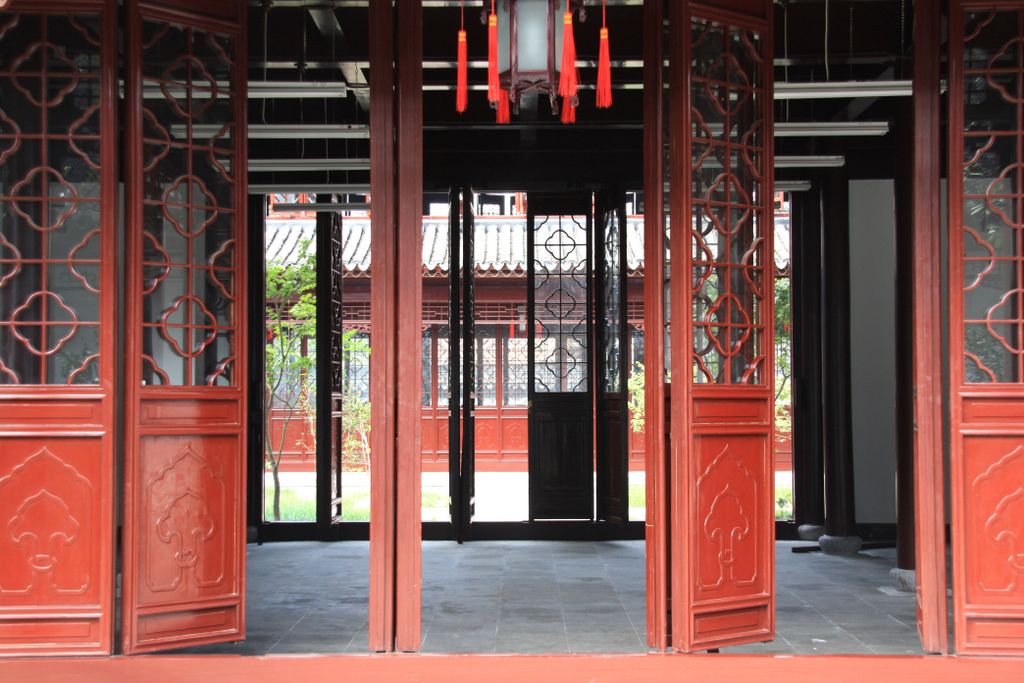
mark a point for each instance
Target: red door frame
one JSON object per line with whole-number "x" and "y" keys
{"x": 383, "y": 322}
{"x": 929, "y": 487}
{"x": 719, "y": 417}
{"x": 986, "y": 433}
{"x": 58, "y": 440}
{"x": 185, "y": 444}
{"x": 656, "y": 463}
{"x": 409, "y": 290}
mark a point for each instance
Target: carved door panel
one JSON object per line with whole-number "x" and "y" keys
{"x": 612, "y": 360}
{"x": 184, "y": 533}
{"x": 987, "y": 327}
{"x": 58, "y": 194}
{"x": 722, "y": 350}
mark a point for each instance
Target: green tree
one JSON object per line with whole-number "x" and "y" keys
{"x": 289, "y": 376}
{"x": 783, "y": 354}
{"x": 356, "y": 414}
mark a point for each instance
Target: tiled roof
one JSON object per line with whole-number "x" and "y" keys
{"x": 500, "y": 243}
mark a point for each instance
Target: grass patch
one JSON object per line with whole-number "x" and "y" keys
{"x": 355, "y": 506}
{"x": 783, "y": 502}
{"x": 637, "y": 496}
{"x": 293, "y": 507}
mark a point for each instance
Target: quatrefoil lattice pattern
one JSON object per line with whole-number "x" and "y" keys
{"x": 50, "y": 200}
{"x": 560, "y": 304}
{"x": 728, "y": 164}
{"x": 991, "y": 249}
{"x": 190, "y": 255}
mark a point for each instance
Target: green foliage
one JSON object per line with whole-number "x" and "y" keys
{"x": 289, "y": 373}
{"x": 291, "y": 506}
{"x": 783, "y": 502}
{"x": 356, "y": 414}
{"x": 290, "y": 378}
{"x": 783, "y": 354}
{"x": 637, "y": 496}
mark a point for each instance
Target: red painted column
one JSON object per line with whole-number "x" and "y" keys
{"x": 657, "y": 518}
{"x": 383, "y": 307}
{"x": 409, "y": 292}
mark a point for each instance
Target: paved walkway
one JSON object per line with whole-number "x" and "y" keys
{"x": 553, "y": 597}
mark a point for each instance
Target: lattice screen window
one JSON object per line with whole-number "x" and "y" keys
{"x": 728, "y": 246}
{"x": 49, "y": 199}
{"x": 188, "y": 308}
{"x": 993, "y": 231}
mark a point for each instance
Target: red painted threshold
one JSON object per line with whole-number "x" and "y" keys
{"x": 518, "y": 668}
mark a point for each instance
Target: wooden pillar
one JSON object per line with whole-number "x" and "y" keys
{"x": 840, "y": 515}
{"x": 409, "y": 292}
{"x": 808, "y": 475}
{"x": 904, "y": 338}
{"x": 656, "y": 455}
{"x": 383, "y": 307}
{"x": 929, "y": 498}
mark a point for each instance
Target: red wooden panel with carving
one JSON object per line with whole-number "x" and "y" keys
{"x": 58, "y": 188}
{"x": 986, "y": 194}
{"x": 721, "y": 440}
{"x": 184, "y": 519}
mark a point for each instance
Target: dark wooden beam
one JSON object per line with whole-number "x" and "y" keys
{"x": 840, "y": 515}
{"x": 256, "y": 369}
{"x": 808, "y": 474}
{"x": 904, "y": 186}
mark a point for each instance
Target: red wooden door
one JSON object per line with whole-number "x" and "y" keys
{"x": 986, "y": 279}
{"x": 185, "y": 443}
{"x": 721, "y": 339}
{"x": 58, "y": 193}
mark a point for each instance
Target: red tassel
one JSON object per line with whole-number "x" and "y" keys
{"x": 568, "y": 81}
{"x": 462, "y": 84}
{"x": 568, "y": 110}
{"x": 504, "y": 111}
{"x": 493, "y": 86}
{"x": 604, "y": 73}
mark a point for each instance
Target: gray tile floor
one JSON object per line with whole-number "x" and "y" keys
{"x": 546, "y": 596}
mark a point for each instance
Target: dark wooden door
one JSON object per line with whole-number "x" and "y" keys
{"x": 722, "y": 323}
{"x": 58, "y": 344}
{"x": 329, "y": 377}
{"x": 461, "y": 361}
{"x": 561, "y": 459}
{"x": 612, "y": 359}
{"x": 185, "y": 325}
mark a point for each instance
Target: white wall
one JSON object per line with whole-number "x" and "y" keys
{"x": 873, "y": 347}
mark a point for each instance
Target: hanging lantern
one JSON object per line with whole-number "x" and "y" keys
{"x": 531, "y": 35}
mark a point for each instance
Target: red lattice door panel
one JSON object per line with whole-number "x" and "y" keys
{"x": 184, "y": 526}
{"x": 986, "y": 194}
{"x": 721, "y": 186}
{"x": 58, "y": 193}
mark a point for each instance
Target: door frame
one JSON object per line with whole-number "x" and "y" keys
{"x": 560, "y": 205}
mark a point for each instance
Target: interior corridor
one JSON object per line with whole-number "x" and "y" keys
{"x": 554, "y": 597}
